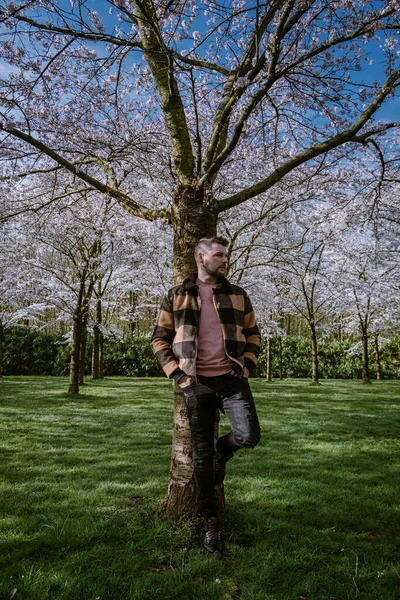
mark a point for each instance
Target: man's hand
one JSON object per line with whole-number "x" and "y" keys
{"x": 244, "y": 374}
{"x": 184, "y": 381}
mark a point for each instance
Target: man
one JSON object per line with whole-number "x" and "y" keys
{"x": 207, "y": 340}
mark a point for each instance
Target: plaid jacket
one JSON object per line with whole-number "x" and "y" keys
{"x": 175, "y": 334}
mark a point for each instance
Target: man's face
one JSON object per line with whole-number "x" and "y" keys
{"x": 214, "y": 261}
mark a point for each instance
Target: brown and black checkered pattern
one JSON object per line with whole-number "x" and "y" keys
{"x": 175, "y": 334}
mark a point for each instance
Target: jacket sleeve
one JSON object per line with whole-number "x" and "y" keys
{"x": 252, "y": 335}
{"x": 162, "y": 338}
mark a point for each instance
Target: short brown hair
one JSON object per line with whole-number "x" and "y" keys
{"x": 206, "y": 244}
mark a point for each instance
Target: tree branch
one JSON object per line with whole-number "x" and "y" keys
{"x": 232, "y": 95}
{"x": 161, "y": 64}
{"x": 68, "y": 31}
{"x": 217, "y": 152}
{"x": 349, "y": 135}
{"x": 134, "y": 208}
{"x": 196, "y": 62}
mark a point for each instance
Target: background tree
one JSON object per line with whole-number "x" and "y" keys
{"x": 368, "y": 306}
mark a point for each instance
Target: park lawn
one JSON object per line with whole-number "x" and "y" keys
{"x": 312, "y": 513}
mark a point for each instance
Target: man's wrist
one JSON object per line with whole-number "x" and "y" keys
{"x": 185, "y": 380}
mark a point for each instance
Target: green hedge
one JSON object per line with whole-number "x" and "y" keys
{"x": 334, "y": 360}
{"x": 133, "y": 358}
{"x": 30, "y": 352}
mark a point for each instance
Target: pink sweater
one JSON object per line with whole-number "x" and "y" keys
{"x": 211, "y": 358}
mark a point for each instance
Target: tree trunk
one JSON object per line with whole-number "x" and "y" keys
{"x": 96, "y": 353}
{"x": 1, "y": 348}
{"x": 314, "y": 354}
{"x": 192, "y": 221}
{"x": 268, "y": 376}
{"x": 75, "y": 353}
{"x": 181, "y": 498}
{"x": 101, "y": 358}
{"x": 288, "y": 325}
{"x": 133, "y": 300}
{"x": 280, "y": 359}
{"x": 80, "y": 324}
{"x": 82, "y": 351}
{"x": 379, "y": 372}
{"x": 340, "y": 333}
{"x": 97, "y": 343}
{"x": 364, "y": 358}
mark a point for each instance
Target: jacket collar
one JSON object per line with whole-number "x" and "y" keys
{"x": 189, "y": 285}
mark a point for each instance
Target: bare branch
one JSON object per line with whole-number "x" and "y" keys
{"x": 134, "y": 208}
{"x": 349, "y": 135}
{"x": 68, "y": 31}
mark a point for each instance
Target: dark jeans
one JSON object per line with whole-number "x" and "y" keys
{"x": 233, "y": 397}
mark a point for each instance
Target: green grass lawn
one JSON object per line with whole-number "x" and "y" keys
{"x": 312, "y": 513}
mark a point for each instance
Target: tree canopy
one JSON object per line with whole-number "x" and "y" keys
{"x": 226, "y": 98}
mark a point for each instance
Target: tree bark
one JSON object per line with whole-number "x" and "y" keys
{"x": 288, "y": 325}
{"x": 379, "y": 372}
{"x": 268, "y": 376}
{"x": 364, "y": 319}
{"x": 364, "y": 358}
{"x": 133, "y": 299}
{"x": 101, "y": 358}
{"x": 193, "y": 219}
{"x": 75, "y": 353}
{"x": 97, "y": 343}
{"x": 314, "y": 354}
{"x": 82, "y": 351}
{"x": 181, "y": 497}
{"x": 1, "y": 348}
{"x": 80, "y": 318}
{"x": 96, "y": 353}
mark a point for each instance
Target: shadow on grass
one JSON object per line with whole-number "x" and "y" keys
{"x": 312, "y": 512}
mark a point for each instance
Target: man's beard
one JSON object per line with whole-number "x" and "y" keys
{"x": 213, "y": 272}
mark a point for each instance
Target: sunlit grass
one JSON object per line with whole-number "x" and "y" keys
{"x": 312, "y": 512}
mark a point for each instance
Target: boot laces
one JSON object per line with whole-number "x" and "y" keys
{"x": 213, "y": 530}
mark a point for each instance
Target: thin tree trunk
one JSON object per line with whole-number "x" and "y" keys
{"x": 75, "y": 353}
{"x": 82, "y": 352}
{"x": 280, "y": 359}
{"x": 80, "y": 318}
{"x": 97, "y": 342}
{"x": 133, "y": 300}
{"x": 1, "y": 348}
{"x": 379, "y": 372}
{"x": 314, "y": 354}
{"x": 363, "y": 317}
{"x": 364, "y": 358}
{"x": 288, "y": 325}
{"x": 101, "y": 357}
{"x": 96, "y": 353}
{"x": 268, "y": 376}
